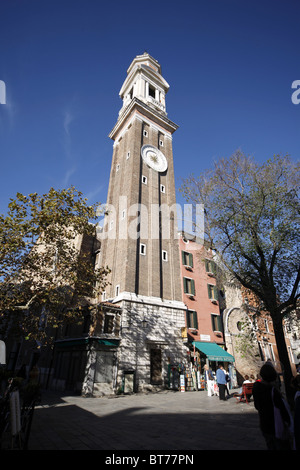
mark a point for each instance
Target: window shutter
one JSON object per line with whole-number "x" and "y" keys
{"x": 184, "y": 285}
{"x": 206, "y": 265}
{"x": 182, "y": 257}
{"x": 213, "y": 267}
{"x": 193, "y": 286}
{"x": 191, "y": 260}
{"x": 216, "y": 297}
{"x": 195, "y": 322}
{"x": 219, "y": 320}
{"x": 209, "y": 291}
{"x": 188, "y": 323}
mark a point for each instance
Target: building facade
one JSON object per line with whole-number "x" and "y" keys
{"x": 203, "y": 296}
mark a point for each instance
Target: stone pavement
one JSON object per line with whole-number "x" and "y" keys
{"x": 169, "y": 420}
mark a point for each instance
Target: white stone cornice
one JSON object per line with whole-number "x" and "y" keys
{"x": 153, "y": 116}
{"x": 145, "y": 300}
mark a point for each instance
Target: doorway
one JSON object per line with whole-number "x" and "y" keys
{"x": 155, "y": 366}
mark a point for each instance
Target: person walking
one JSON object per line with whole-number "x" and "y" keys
{"x": 209, "y": 380}
{"x": 222, "y": 383}
{"x": 269, "y": 402}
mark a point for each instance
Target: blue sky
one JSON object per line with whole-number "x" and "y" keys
{"x": 230, "y": 65}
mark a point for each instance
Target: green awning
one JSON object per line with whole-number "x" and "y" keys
{"x": 213, "y": 351}
{"x": 109, "y": 342}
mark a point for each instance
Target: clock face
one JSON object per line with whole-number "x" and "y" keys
{"x": 154, "y": 158}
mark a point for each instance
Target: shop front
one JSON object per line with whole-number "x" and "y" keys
{"x": 212, "y": 354}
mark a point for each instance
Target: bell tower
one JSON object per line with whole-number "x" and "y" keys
{"x": 139, "y": 239}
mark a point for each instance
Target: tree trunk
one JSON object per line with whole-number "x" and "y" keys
{"x": 283, "y": 355}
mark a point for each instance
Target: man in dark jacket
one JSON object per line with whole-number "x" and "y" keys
{"x": 263, "y": 402}
{"x": 222, "y": 382}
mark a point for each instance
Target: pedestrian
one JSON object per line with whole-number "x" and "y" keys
{"x": 272, "y": 410}
{"x": 221, "y": 381}
{"x": 227, "y": 382}
{"x": 296, "y": 386}
{"x": 209, "y": 379}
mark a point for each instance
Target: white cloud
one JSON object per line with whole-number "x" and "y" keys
{"x": 67, "y": 177}
{"x": 68, "y": 119}
{"x": 92, "y": 194}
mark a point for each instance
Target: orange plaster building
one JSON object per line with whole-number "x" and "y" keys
{"x": 202, "y": 296}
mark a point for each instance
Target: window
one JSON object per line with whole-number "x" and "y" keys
{"x": 187, "y": 259}
{"x": 117, "y": 167}
{"x": 191, "y": 319}
{"x": 151, "y": 91}
{"x": 268, "y": 352}
{"x": 103, "y": 295}
{"x": 144, "y": 179}
{"x": 212, "y": 292}
{"x": 142, "y": 249}
{"x": 216, "y": 322}
{"x": 266, "y": 325}
{"x": 123, "y": 214}
{"x": 210, "y": 266}
{"x": 162, "y": 188}
{"x": 117, "y": 290}
{"x": 161, "y": 143}
{"x": 188, "y": 286}
{"x": 164, "y": 255}
{"x": 145, "y": 133}
{"x": 108, "y": 324}
{"x": 128, "y": 155}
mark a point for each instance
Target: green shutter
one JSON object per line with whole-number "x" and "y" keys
{"x": 188, "y": 323}
{"x": 209, "y": 291}
{"x": 182, "y": 257}
{"x": 191, "y": 260}
{"x": 193, "y": 286}
{"x": 207, "y": 266}
{"x": 184, "y": 285}
{"x": 195, "y": 320}
{"x": 216, "y": 296}
{"x": 213, "y": 267}
{"x": 220, "y": 326}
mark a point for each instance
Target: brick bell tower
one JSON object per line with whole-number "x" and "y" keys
{"x": 139, "y": 238}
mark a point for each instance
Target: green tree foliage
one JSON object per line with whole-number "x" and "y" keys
{"x": 252, "y": 219}
{"x": 45, "y": 276}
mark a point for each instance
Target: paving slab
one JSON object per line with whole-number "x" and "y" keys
{"x": 168, "y": 420}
